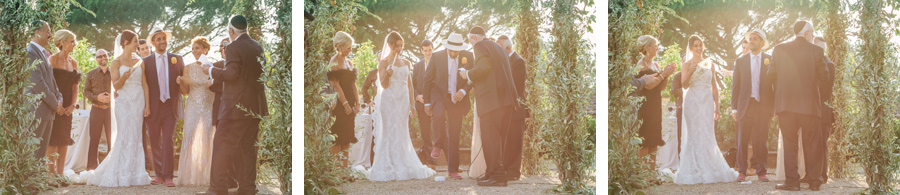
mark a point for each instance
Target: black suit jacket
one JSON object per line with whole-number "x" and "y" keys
{"x": 492, "y": 77}
{"x": 436, "y": 79}
{"x": 826, "y": 89}
{"x": 742, "y": 86}
{"x": 217, "y": 88}
{"x": 418, "y": 77}
{"x": 797, "y": 69}
{"x": 175, "y": 70}
{"x": 240, "y": 78}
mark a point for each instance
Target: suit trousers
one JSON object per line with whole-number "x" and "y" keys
{"x": 494, "y": 127}
{"x": 425, "y": 130}
{"x": 513, "y": 145}
{"x": 813, "y": 147}
{"x": 162, "y": 130}
{"x": 234, "y": 143}
{"x": 753, "y": 129}
{"x": 100, "y": 122}
{"x": 447, "y": 123}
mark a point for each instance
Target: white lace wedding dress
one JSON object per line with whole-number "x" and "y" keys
{"x": 196, "y": 146}
{"x": 395, "y": 157}
{"x": 124, "y": 166}
{"x": 701, "y": 159}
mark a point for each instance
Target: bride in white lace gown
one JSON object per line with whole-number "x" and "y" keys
{"x": 701, "y": 159}
{"x": 196, "y": 146}
{"x": 395, "y": 157}
{"x": 124, "y": 165}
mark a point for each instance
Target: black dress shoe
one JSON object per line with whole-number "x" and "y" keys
{"x": 512, "y": 178}
{"x": 786, "y": 187}
{"x": 482, "y": 178}
{"x": 491, "y": 182}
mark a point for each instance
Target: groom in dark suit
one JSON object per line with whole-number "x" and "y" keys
{"x": 495, "y": 94}
{"x": 798, "y": 68}
{"x": 752, "y": 104}
{"x": 446, "y": 99}
{"x": 235, "y": 139}
{"x": 165, "y": 97}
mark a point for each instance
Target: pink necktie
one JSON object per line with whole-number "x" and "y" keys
{"x": 163, "y": 79}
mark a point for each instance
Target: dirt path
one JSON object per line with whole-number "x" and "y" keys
{"x": 834, "y": 186}
{"x": 149, "y": 189}
{"x": 531, "y": 184}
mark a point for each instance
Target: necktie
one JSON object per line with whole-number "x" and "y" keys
{"x": 755, "y": 78}
{"x": 163, "y": 79}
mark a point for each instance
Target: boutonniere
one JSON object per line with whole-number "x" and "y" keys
{"x": 766, "y": 62}
{"x": 464, "y": 61}
{"x": 174, "y": 61}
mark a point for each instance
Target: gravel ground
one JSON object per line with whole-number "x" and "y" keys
{"x": 530, "y": 184}
{"x": 149, "y": 189}
{"x": 834, "y": 186}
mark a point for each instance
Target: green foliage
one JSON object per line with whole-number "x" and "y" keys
{"x": 835, "y": 33}
{"x": 320, "y": 167}
{"x": 567, "y": 95}
{"x": 627, "y": 172}
{"x": 85, "y": 58}
{"x": 275, "y": 130}
{"x": 529, "y": 48}
{"x": 671, "y": 55}
{"x": 365, "y": 60}
{"x": 20, "y": 172}
{"x": 871, "y": 121}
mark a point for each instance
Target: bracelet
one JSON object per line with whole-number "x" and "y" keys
{"x": 345, "y": 103}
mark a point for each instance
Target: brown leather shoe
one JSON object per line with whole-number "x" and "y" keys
{"x": 763, "y": 178}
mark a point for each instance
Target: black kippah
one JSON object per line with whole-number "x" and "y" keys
{"x": 239, "y": 22}
{"x": 477, "y": 30}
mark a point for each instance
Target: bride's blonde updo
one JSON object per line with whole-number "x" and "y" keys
{"x": 643, "y": 41}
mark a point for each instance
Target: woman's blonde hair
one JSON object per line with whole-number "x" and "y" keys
{"x": 203, "y": 41}
{"x": 341, "y": 38}
{"x": 643, "y": 41}
{"x": 62, "y": 35}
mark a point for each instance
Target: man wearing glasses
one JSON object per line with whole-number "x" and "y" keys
{"x": 97, "y": 90}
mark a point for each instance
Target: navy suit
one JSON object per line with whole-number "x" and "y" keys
{"x": 447, "y": 116}
{"x": 753, "y": 116}
{"x": 163, "y": 114}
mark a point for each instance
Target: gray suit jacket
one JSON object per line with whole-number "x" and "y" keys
{"x": 43, "y": 83}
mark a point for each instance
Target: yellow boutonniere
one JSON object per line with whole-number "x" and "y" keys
{"x": 766, "y": 62}
{"x": 174, "y": 61}
{"x": 464, "y": 61}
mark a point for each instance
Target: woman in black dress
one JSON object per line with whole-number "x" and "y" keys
{"x": 343, "y": 78}
{"x": 65, "y": 71}
{"x": 650, "y": 111}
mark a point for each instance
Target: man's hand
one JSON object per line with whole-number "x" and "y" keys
{"x": 428, "y": 110}
{"x": 734, "y": 116}
{"x": 458, "y": 96}
{"x": 103, "y": 97}
{"x": 420, "y": 98}
{"x": 178, "y": 80}
{"x": 462, "y": 73}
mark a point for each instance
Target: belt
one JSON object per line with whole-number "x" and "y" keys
{"x": 101, "y": 106}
